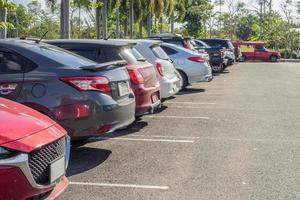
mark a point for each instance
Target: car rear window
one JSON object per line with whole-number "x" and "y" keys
{"x": 62, "y": 56}
{"x": 219, "y": 43}
{"x": 159, "y": 52}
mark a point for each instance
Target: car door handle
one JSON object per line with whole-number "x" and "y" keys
{"x": 7, "y": 88}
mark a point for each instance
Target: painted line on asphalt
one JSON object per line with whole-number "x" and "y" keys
{"x": 188, "y": 107}
{"x": 153, "y": 187}
{"x": 165, "y": 136}
{"x": 174, "y": 117}
{"x": 190, "y": 103}
{"x": 143, "y": 139}
{"x": 250, "y": 140}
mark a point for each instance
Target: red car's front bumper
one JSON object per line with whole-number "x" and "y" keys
{"x": 15, "y": 185}
{"x": 147, "y": 98}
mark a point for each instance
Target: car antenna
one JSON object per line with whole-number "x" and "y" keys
{"x": 43, "y": 36}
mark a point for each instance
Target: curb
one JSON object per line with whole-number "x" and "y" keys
{"x": 290, "y": 60}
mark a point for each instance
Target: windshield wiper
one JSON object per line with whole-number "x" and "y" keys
{"x": 106, "y": 65}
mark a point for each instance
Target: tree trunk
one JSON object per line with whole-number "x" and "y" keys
{"x": 65, "y": 19}
{"x": 131, "y": 18}
{"x": 104, "y": 19}
{"x": 161, "y": 24}
{"x": 141, "y": 29}
{"x": 125, "y": 27}
{"x": 172, "y": 22}
{"x": 98, "y": 32}
{"x": 118, "y": 22}
{"x": 149, "y": 24}
{"x": 3, "y": 18}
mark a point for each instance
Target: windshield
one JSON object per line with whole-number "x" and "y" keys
{"x": 62, "y": 56}
{"x": 160, "y": 53}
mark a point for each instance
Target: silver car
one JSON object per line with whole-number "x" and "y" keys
{"x": 167, "y": 75}
{"x": 193, "y": 67}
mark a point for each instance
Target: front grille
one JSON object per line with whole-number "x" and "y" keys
{"x": 40, "y": 160}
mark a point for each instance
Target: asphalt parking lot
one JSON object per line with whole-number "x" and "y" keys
{"x": 236, "y": 138}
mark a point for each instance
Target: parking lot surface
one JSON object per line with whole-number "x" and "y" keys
{"x": 235, "y": 138}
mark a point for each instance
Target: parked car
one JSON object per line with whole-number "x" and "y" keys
{"x": 168, "y": 76}
{"x": 226, "y": 45}
{"x": 193, "y": 67}
{"x": 257, "y": 51}
{"x": 175, "y": 39}
{"x": 85, "y": 97}
{"x": 216, "y": 55}
{"x": 34, "y": 154}
{"x": 142, "y": 74}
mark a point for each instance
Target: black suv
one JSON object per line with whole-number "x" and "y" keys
{"x": 223, "y": 43}
{"x": 216, "y": 55}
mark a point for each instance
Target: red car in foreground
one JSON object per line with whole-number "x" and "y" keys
{"x": 256, "y": 51}
{"x": 34, "y": 152}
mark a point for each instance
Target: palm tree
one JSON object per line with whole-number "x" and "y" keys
{"x": 5, "y": 6}
{"x": 64, "y": 17}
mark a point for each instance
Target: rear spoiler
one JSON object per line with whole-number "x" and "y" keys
{"x": 106, "y": 65}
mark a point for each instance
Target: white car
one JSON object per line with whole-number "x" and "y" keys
{"x": 168, "y": 76}
{"x": 192, "y": 66}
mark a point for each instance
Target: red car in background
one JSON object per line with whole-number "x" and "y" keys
{"x": 34, "y": 152}
{"x": 256, "y": 51}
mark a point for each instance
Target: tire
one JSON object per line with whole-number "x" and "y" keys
{"x": 184, "y": 82}
{"x": 273, "y": 59}
{"x": 218, "y": 69}
{"x": 243, "y": 58}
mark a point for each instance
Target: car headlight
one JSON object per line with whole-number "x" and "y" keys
{"x": 4, "y": 153}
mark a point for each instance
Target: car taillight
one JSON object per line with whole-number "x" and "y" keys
{"x": 135, "y": 76}
{"x": 83, "y": 84}
{"x": 185, "y": 44}
{"x": 222, "y": 54}
{"x": 72, "y": 111}
{"x": 160, "y": 69}
{"x": 199, "y": 59}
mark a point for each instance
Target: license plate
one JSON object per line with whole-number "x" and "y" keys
{"x": 123, "y": 88}
{"x": 154, "y": 98}
{"x": 57, "y": 169}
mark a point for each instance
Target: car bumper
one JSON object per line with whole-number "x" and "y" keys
{"x": 105, "y": 116}
{"x": 147, "y": 99}
{"x": 169, "y": 87}
{"x": 17, "y": 180}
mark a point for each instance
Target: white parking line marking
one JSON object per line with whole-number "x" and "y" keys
{"x": 250, "y": 140}
{"x": 142, "y": 139}
{"x": 174, "y": 117}
{"x": 190, "y": 103}
{"x": 188, "y": 107}
{"x": 165, "y": 136}
{"x": 153, "y": 187}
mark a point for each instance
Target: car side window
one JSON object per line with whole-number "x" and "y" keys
{"x": 260, "y": 49}
{"x": 169, "y": 51}
{"x": 11, "y": 63}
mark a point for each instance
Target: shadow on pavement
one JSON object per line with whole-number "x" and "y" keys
{"x": 191, "y": 91}
{"x": 220, "y": 73}
{"x": 86, "y": 158}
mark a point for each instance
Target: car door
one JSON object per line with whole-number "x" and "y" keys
{"x": 261, "y": 53}
{"x": 12, "y": 66}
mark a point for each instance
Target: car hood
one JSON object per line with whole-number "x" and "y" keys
{"x": 18, "y": 121}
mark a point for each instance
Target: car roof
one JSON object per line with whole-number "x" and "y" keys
{"x": 214, "y": 39}
{"x": 108, "y": 42}
{"x": 21, "y": 43}
{"x": 179, "y": 48}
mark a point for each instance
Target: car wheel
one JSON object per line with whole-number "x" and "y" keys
{"x": 273, "y": 58}
{"x": 218, "y": 68}
{"x": 184, "y": 80}
{"x": 243, "y": 58}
